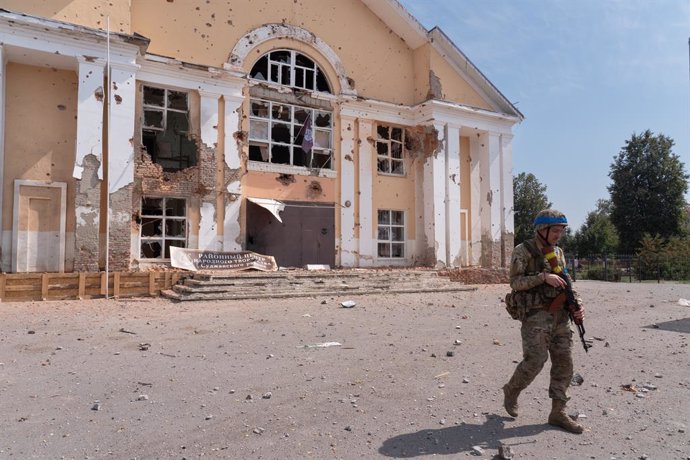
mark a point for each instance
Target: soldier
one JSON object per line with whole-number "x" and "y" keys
{"x": 545, "y": 324}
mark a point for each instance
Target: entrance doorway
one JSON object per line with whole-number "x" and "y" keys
{"x": 306, "y": 235}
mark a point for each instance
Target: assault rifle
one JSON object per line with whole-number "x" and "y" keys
{"x": 572, "y": 306}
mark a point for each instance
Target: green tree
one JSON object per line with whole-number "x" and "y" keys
{"x": 597, "y": 235}
{"x": 529, "y": 198}
{"x": 647, "y": 190}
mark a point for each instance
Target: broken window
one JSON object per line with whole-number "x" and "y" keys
{"x": 289, "y": 134}
{"x": 163, "y": 224}
{"x": 290, "y": 68}
{"x": 389, "y": 150}
{"x": 391, "y": 234}
{"x": 165, "y": 128}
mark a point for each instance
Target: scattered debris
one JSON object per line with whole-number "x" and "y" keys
{"x": 442, "y": 374}
{"x": 450, "y": 354}
{"x": 577, "y": 379}
{"x": 144, "y": 346}
{"x": 321, "y": 345}
{"x": 684, "y": 302}
{"x": 348, "y": 303}
{"x": 505, "y": 452}
{"x": 96, "y": 405}
{"x": 497, "y": 342}
{"x": 477, "y": 450}
{"x": 125, "y": 331}
{"x": 267, "y": 395}
{"x": 143, "y": 398}
{"x": 312, "y": 267}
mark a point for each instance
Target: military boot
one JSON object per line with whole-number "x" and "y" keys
{"x": 510, "y": 397}
{"x": 558, "y": 417}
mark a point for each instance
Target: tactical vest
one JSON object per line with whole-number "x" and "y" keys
{"x": 519, "y": 303}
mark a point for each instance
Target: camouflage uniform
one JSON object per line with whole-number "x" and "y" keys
{"x": 543, "y": 333}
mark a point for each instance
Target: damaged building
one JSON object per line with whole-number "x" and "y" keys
{"x": 336, "y": 132}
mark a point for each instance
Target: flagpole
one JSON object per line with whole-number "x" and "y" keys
{"x": 107, "y": 168}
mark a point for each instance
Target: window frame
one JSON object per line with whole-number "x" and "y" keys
{"x": 390, "y": 242}
{"x": 390, "y": 144}
{"x": 293, "y": 68}
{"x": 165, "y": 109}
{"x": 294, "y": 127}
{"x": 164, "y": 218}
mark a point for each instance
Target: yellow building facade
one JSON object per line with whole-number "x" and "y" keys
{"x": 336, "y": 132}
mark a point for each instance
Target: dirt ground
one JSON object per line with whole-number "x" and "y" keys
{"x": 414, "y": 376}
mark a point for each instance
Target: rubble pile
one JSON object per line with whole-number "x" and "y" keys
{"x": 477, "y": 275}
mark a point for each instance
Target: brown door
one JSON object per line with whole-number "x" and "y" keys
{"x": 306, "y": 235}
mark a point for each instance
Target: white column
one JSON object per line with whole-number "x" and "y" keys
{"x": 123, "y": 112}
{"x": 434, "y": 177}
{"x": 476, "y": 151}
{"x": 208, "y": 117}
{"x": 231, "y": 224}
{"x": 348, "y": 242}
{"x": 367, "y": 244}
{"x": 453, "y": 230}
{"x": 5, "y": 239}
{"x": 91, "y": 96}
{"x": 121, "y": 129}
{"x": 490, "y": 196}
{"x": 507, "y": 216}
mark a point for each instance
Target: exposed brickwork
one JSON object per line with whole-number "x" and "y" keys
{"x": 120, "y": 229}
{"x": 87, "y": 202}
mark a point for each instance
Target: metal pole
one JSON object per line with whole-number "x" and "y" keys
{"x": 107, "y": 160}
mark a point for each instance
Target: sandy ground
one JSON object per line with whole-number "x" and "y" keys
{"x": 147, "y": 378}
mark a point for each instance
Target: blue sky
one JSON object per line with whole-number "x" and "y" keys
{"x": 586, "y": 74}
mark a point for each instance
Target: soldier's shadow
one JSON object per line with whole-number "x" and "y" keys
{"x": 458, "y": 438}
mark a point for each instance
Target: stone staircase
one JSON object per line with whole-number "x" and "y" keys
{"x": 303, "y": 283}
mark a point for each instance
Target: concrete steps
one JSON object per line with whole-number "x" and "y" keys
{"x": 301, "y": 283}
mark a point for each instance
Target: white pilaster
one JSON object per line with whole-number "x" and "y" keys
{"x": 5, "y": 242}
{"x": 121, "y": 128}
{"x": 348, "y": 242}
{"x": 490, "y": 196}
{"x": 477, "y": 144}
{"x": 453, "y": 230}
{"x": 232, "y": 158}
{"x": 91, "y": 96}
{"x": 233, "y": 107}
{"x": 435, "y": 219}
{"x": 507, "y": 222}
{"x": 367, "y": 246}
{"x": 208, "y": 118}
{"x": 208, "y": 231}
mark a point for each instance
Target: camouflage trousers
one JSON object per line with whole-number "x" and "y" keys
{"x": 545, "y": 334}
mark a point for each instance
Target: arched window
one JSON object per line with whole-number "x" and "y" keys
{"x": 290, "y": 68}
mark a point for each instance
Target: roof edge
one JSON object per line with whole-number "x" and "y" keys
{"x": 37, "y": 21}
{"x": 442, "y": 43}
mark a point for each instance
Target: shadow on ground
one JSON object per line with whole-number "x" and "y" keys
{"x": 679, "y": 325}
{"x": 459, "y": 438}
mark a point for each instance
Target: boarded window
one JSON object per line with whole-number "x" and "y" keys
{"x": 290, "y": 134}
{"x": 290, "y": 68}
{"x": 389, "y": 150}
{"x": 165, "y": 128}
{"x": 163, "y": 224}
{"x": 391, "y": 234}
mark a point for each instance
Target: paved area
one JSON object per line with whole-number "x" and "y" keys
{"x": 411, "y": 376}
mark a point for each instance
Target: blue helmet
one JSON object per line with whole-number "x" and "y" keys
{"x": 549, "y": 217}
